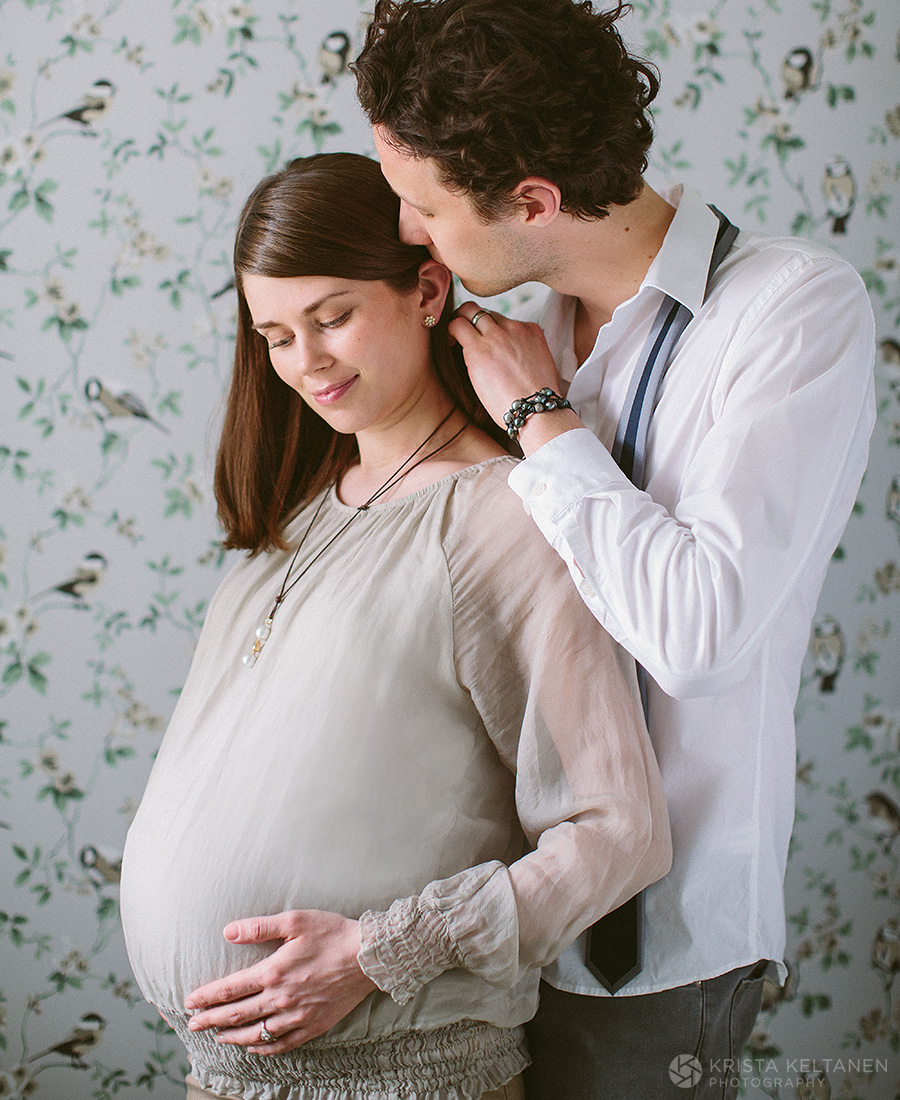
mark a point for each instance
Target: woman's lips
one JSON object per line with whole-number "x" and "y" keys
{"x": 333, "y": 393}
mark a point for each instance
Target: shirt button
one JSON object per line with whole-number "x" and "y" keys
{"x": 539, "y": 488}
{"x": 587, "y": 590}
{"x": 526, "y": 508}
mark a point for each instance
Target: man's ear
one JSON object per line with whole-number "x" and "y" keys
{"x": 538, "y": 201}
{"x": 434, "y": 285}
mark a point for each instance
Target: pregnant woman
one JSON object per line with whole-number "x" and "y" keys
{"x": 407, "y": 767}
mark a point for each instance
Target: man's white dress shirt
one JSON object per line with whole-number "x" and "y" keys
{"x": 710, "y": 577}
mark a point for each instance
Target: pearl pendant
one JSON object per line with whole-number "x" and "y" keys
{"x": 262, "y": 634}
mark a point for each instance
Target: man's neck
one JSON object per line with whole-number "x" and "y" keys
{"x": 605, "y": 261}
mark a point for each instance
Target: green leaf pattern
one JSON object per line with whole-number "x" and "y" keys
{"x": 130, "y": 134}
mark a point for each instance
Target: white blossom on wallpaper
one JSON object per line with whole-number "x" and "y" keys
{"x": 130, "y": 134}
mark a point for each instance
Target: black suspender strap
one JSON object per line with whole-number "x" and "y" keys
{"x": 614, "y": 952}
{"x": 629, "y": 449}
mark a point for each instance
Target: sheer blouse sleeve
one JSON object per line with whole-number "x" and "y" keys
{"x": 558, "y": 699}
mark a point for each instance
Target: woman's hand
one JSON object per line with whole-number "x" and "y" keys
{"x": 301, "y": 990}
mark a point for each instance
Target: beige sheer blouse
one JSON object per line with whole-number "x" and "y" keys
{"x": 438, "y": 738}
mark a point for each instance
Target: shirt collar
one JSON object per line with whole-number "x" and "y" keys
{"x": 681, "y": 266}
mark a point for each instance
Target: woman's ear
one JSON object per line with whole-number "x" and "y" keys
{"x": 434, "y": 285}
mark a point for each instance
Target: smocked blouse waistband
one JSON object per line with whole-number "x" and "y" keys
{"x": 457, "y": 1062}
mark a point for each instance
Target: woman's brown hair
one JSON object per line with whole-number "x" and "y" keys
{"x": 329, "y": 215}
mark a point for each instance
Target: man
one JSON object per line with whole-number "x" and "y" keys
{"x": 515, "y": 134}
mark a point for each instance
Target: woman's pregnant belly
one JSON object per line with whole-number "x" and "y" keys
{"x": 344, "y": 819}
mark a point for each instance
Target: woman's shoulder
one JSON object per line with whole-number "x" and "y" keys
{"x": 484, "y": 485}
{"x": 484, "y": 517}
{"x": 481, "y": 476}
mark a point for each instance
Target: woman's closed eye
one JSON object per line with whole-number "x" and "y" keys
{"x": 337, "y": 321}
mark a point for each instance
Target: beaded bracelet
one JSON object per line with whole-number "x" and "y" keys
{"x": 542, "y": 401}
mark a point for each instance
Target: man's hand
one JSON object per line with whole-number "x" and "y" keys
{"x": 507, "y": 360}
{"x": 310, "y": 983}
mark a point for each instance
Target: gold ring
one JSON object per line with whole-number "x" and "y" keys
{"x": 480, "y": 313}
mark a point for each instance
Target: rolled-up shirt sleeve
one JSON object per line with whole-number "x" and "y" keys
{"x": 558, "y": 699}
{"x": 692, "y": 589}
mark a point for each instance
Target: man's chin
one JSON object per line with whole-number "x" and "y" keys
{"x": 483, "y": 288}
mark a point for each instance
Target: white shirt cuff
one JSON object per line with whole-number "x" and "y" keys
{"x": 562, "y": 472}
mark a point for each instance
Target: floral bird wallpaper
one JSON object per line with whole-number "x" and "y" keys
{"x": 130, "y": 134}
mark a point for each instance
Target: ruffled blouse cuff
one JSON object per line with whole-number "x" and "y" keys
{"x": 406, "y": 947}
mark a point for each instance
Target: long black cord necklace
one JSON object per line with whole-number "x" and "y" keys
{"x": 263, "y": 632}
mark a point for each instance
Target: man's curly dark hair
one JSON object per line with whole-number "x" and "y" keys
{"x": 496, "y": 90}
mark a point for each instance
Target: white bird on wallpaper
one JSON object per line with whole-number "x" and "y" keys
{"x": 828, "y": 652}
{"x": 105, "y": 404}
{"x": 334, "y": 56}
{"x": 884, "y": 809}
{"x": 83, "y": 582}
{"x": 839, "y": 189}
{"x": 96, "y": 102}
{"x": 886, "y": 947}
{"x": 83, "y": 1039}
{"x": 109, "y": 868}
{"x": 799, "y": 72}
{"x": 886, "y": 958}
{"x": 887, "y": 578}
